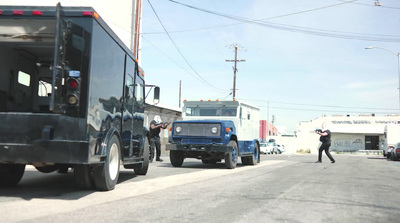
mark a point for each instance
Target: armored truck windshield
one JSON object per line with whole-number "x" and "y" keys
{"x": 211, "y": 108}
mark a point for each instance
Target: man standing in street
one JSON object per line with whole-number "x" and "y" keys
{"x": 155, "y": 143}
{"x": 325, "y": 139}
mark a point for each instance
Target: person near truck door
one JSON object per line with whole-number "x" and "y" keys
{"x": 325, "y": 139}
{"x": 155, "y": 144}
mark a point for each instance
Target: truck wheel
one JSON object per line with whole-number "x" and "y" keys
{"x": 176, "y": 158}
{"x": 11, "y": 174}
{"x": 106, "y": 175}
{"x": 145, "y": 165}
{"x": 255, "y": 158}
{"x": 231, "y": 158}
{"x": 83, "y": 177}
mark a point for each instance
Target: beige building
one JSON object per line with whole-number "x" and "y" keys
{"x": 349, "y": 133}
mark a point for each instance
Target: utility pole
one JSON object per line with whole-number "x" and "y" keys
{"x": 180, "y": 93}
{"x": 136, "y": 27}
{"x": 235, "y": 69}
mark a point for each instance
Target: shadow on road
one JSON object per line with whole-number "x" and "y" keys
{"x": 199, "y": 165}
{"x": 35, "y": 184}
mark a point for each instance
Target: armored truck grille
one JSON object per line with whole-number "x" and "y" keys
{"x": 197, "y": 129}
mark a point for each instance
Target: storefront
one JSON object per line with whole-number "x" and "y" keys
{"x": 349, "y": 133}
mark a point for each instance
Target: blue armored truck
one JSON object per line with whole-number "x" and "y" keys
{"x": 216, "y": 130}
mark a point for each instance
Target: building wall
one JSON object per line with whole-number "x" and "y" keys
{"x": 117, "y": 15}
{"x": 290, "y": 143}
{"x": 348, "y": 132}
{"x": 347, "y": 142}
{"x": 267, "y": 130}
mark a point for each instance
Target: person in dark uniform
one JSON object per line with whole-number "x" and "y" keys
{"x": 325, "y": 138}
{"x": 155, "y": 128}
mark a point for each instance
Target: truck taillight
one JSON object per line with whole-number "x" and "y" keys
{"x": 18, "y": 12}
{"x": 37, "y": 13}
{"x": 398, "y": 150}
{"x": 73, "y": 91}
{"x": 73, "y": 83}
{"x": 90, "y": 13}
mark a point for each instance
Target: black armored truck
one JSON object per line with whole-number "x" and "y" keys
{"x": 72, "y": 96}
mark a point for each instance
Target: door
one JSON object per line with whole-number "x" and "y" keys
{"x": 127, "y": 109}
{"x": 56, "y": 98}
{"x": 371, "y": 142}
{"x": 138, "y": 111}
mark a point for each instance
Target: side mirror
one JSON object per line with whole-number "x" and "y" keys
{"x": 156, "y": 99}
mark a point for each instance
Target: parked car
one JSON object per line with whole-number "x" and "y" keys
{"x": 263, "y": 148}
{"x": 281, "y": 148}
{"x": 389, "y": 151}
{"x": 385, "y": 151}
{"x": 395, "y": 152}
{"x": 272, "y": 148}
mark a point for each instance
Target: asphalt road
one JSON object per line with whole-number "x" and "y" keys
{"x": 282, "y": 188}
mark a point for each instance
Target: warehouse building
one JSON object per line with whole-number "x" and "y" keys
{"x": 349, "y": 133}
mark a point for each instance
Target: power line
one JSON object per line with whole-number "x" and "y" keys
{"x": 179, "y": 51}
{"x": 166, "y": 55}
{"x": 318, "y": 110}
{"x": 313, "y": 105}
{"x": 371, "y": 5}
{"x": 299, "y": 29}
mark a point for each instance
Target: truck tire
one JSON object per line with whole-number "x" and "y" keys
{"x": 255, "y": 158}
{"x": 11, "y": 174}
{"x": 145, "y": 166}
{"x": 83, "y": 177}
{"x": 106, "y": 175}
{"x": 231, "y": 158}
{"x": 176, "y": 158}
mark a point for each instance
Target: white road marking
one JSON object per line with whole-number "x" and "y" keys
{"x": 20, "y": 210}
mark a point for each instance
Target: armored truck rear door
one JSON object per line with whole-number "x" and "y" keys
{"x": 58, "y": 65}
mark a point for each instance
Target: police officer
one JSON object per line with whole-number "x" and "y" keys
{"x": 155, "y": 128}
{"x": 325, "y": 138}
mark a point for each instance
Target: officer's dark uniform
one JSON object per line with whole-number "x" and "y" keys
{"x": 326, "y": 143}
{"x": 155, "y": 142}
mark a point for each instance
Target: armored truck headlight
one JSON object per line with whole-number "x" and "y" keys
{"x": 178, "y": 129}
{"x": 214, "y": 130}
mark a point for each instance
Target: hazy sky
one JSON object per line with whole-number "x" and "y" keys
{"x": 304, "y": 59}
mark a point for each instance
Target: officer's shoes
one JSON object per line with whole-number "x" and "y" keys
{"x": 159, "y": 160}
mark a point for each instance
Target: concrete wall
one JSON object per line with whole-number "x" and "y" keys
{"x": 347, "y": 142}
{"x": 117, "y": 15}
{"x": 290, "y": 143}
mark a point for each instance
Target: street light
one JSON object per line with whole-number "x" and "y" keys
{"x": 398, "y": 59}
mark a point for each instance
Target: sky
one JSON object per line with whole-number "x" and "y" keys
{"x": 303, "y": 59}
